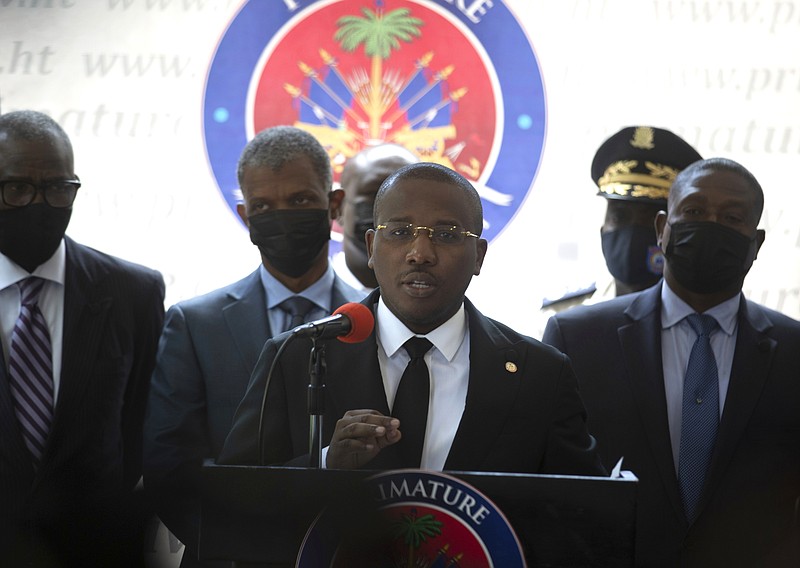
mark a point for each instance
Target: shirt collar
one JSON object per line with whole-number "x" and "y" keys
{"x": 446, "y": 338}
{"x": 674, "y": 310}
{"x": 319, "y": 292}
{"x": 52, "y": 269}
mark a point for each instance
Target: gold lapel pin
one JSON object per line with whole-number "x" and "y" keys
{"x": 511, "y": 367}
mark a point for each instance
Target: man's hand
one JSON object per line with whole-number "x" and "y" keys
{"x": 359, "y": 436}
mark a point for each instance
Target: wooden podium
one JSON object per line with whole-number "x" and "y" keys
{"x": 259, "y": 516}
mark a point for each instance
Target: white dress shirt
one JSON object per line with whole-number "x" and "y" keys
{"x": 677, "y": 339}
{"x": 448, "y": 363}
{"x": 51, "y": 303}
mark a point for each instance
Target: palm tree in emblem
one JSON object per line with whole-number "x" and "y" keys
{"x": 416, "y": 530}
{"x": 380, "y": 32}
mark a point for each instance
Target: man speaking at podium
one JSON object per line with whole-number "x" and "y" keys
{"x": 483, "y": 397}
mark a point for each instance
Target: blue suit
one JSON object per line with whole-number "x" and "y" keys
{"x": 747, "y": 514}
{"x": 78, "y": 508}
{"x": 208, "y": 349}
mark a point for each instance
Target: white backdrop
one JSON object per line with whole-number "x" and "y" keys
{"x": 125, "y": 78}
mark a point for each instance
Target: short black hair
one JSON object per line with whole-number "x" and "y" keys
{"x": 723, "y": 165}
{"x": 436, "y": 172}
{"x": 30, "y": 125}
{"x": 278, "y": 145}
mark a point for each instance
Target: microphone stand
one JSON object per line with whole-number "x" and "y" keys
{"x": 316, "y": 401}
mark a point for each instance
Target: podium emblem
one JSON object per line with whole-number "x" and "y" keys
{"x": 416, "y": 519}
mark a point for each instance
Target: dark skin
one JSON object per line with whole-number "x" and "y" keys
{"x": 625, "y": 213}
{"x": 42, "y": 159}
{"x": 363, "y": 174}
{"x": 38, "y": 160}
{"x": 293, "y": 186}
{"x": 716, "y": 196}
{"x": 423, "y": 284}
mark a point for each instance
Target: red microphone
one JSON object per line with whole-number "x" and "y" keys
{"x": 361, "y": 322}
{"x": 351, "y": 323}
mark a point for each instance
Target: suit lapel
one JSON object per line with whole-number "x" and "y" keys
{"x": 85, "y": 313}
{"x": 361, "y": 385}
{"x": 351, "y": 386}
{"x": 751, "y": 362}
{"x": 640, "y": 342}
{"x": 342, "y": 294}
{"x": 490, "y": 386}
{"x": 247, "y": 320}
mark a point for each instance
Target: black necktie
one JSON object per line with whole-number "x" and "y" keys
{"x": 411, "y": 403}
{"x": 297, "y": 307}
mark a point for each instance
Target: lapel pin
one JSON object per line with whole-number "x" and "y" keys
{"x": 511, "y": 367}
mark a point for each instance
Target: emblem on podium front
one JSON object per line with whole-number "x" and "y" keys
{"x": 413, "y": 519}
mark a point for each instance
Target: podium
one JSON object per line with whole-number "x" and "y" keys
{"x": 260, "y": 516}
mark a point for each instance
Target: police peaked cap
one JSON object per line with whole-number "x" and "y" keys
{"x": 639, "y": 163}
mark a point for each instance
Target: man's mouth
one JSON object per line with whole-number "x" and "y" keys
{"x": 419, "y": 284}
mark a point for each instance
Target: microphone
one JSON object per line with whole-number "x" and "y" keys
{"x": 350, "y": 323}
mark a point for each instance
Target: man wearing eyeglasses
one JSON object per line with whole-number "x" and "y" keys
{"x": 79, "y": 331}
{"x": 479, "y": 396}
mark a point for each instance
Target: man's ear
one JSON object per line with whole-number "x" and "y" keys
{"x": 761, "y": 234}
{"x": 335, "y": 199}
{"x": 370, "y": 239}
{"x": 659, "y": 223}
{"x": 482, "y": 246}
{"x": 242, "y": 212}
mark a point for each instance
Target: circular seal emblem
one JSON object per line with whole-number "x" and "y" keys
{"x": 425, "y": 519}
{"x": 456, "y": 83}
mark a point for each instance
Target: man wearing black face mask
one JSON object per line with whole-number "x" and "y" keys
{"x": 211, "y": 343}
{"x": 633, "y": 170}
{"x": 362, "y": 175}
{"x": 79, "y": 331}
{"x": 697, "y": 387}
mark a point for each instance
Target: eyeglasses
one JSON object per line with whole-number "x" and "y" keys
{"x": 57, "y": 193}
{"x": 399, "y": 232}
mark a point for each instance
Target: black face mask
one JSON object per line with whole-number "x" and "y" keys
{"x": 632, "y": 255}
{"x": 707, "y": 257}
{"x": 290, "y": 239}
{"x": 30, "y": 235}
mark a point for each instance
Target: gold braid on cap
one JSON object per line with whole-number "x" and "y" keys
{"x": 620, "y": 179}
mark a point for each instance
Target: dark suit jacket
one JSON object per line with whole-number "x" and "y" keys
{"x": 747, "y": 512}
{"x": 530, "y": 420}
{"x": 74, "y": 506}
{"x": 206, "y": 354}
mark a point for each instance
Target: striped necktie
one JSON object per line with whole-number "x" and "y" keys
{"x": 30, "y": 369}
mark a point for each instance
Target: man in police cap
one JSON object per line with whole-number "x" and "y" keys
{"x": 633, "y": 170}
{"x": 696, "y": 386}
